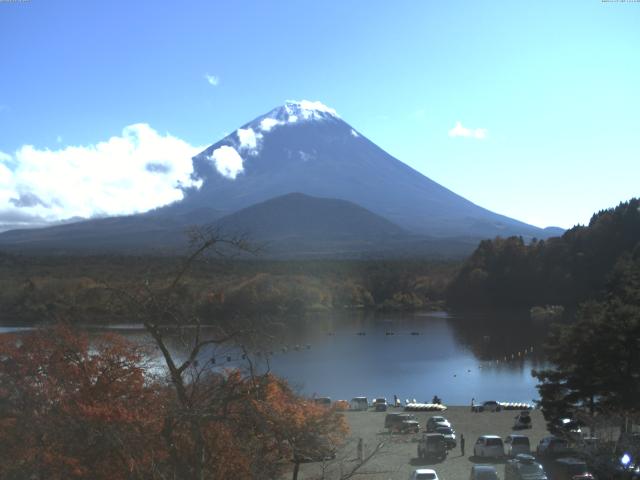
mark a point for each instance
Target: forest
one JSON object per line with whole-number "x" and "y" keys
{"x": 49, "y": 288}
{"x": 566, "y": 270}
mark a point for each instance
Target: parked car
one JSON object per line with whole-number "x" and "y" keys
{"x": 523, "y": 420}
{"x": 432, "y": 446}
{"x": 489, "y": 446}
{"x": 570, "y": 469}
{"x": 490, "y": 406}
{"x": 516, "y": 444}
{"x": 437, "y": 421}
{"x": 449, "y": 436}
{"x": 380, "y": 404}
{"x": 524, "y": 467}
{"x": 483, "y": 472}
{"x": 552, "y": 445}
{"x": 359, "y": 403}
{"x": 323, "y": 401}
{"x": 423, "y": 474}
{"x": 568, "y": 428}
{"x": 401, "y": 422}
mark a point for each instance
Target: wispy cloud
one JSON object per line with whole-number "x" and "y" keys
{"x": 461, "y": 131}
{"x": 133, "y": 172}
{"x": 213, "y": 80}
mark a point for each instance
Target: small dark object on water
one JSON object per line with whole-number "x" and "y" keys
{"x": 415, "y": 333}
{"x": 361, "y": 333}
{"x": 389, "y": 333}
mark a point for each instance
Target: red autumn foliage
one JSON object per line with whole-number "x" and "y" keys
{"x": 71, "y": 408}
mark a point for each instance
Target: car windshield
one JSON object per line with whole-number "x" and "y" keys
{"x": 425, "y": 476}
{"x": 444, "y": 430}
{"x": 438, "y": 419}
{"x": 485, "y": 475}
{"x": 494, "y": 442}
{"x": 530, "y": 468}
{"x": 520, "y": 441}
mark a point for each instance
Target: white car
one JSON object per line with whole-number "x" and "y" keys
{"x": 437, "y": 421}
{"x": 516, "y": 444}
{"x": 489, "y": 446}
{"x": 424, "y": 474}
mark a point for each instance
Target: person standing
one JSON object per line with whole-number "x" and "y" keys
{"x": 473, "y": 404}
{"x": 462, "y": 445}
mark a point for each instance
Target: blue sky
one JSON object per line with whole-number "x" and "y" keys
{"x": 552, "y": 87}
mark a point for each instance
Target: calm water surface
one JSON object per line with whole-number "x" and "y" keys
{"x": 488, "y": 356}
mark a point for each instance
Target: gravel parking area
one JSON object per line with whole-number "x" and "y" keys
{"x": 397, "y": 457}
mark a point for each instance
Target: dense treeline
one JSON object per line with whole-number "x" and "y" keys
{"x": 47, "y": 288}
{"x": 564, "y": 270}
{"x": 595, "y": 361}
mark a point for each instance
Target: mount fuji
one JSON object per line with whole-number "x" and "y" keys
{"x": 300, "y": 147}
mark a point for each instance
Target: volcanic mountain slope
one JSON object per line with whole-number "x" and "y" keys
{"x": 306, "y": 147}
{"x": 302, "y": 147}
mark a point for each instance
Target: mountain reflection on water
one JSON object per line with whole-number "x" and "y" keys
{"x": 412, "y": 355}
{"x": 481, "y": 356}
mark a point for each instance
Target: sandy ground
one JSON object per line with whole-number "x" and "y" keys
{"x": 397, "y": 458}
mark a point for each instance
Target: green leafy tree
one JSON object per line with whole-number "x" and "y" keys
{"x": 596, "y": 360}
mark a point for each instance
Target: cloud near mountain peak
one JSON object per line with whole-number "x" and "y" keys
{"x": 135, "y": 171}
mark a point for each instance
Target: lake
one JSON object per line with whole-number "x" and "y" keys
{"x": 485, "y": 356}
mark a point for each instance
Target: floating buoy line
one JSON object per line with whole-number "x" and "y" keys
{"x": 226, "y": 358}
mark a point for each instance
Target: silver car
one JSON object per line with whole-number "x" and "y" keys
{"x": 516, "y": 444}
{"x": 483, "y": 472}
{"x": 489, "y": 446}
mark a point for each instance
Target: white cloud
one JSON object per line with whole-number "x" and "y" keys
{"x": 134, "y": 172}
{"x": 460, "y": 131}
{"x": 247, "y": 138}
{"x": 227, "y": 161}
{"x": 268, "y": 123}
{"x": 213, "y": 80}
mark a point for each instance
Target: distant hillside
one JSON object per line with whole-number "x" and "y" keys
{"x": 148, "y": 232}
{"x": 564, "y": 270}
{"x": 289, "y": 226}
{"x": 306, "y": 217}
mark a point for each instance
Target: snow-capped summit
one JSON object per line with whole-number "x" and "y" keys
{"x": 294, "y": 111}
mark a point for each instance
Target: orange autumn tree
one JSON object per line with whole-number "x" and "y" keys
{"x": 70, "y": 411}
{"x": 74, "y": 409}
{"x": 311, "y": 432}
